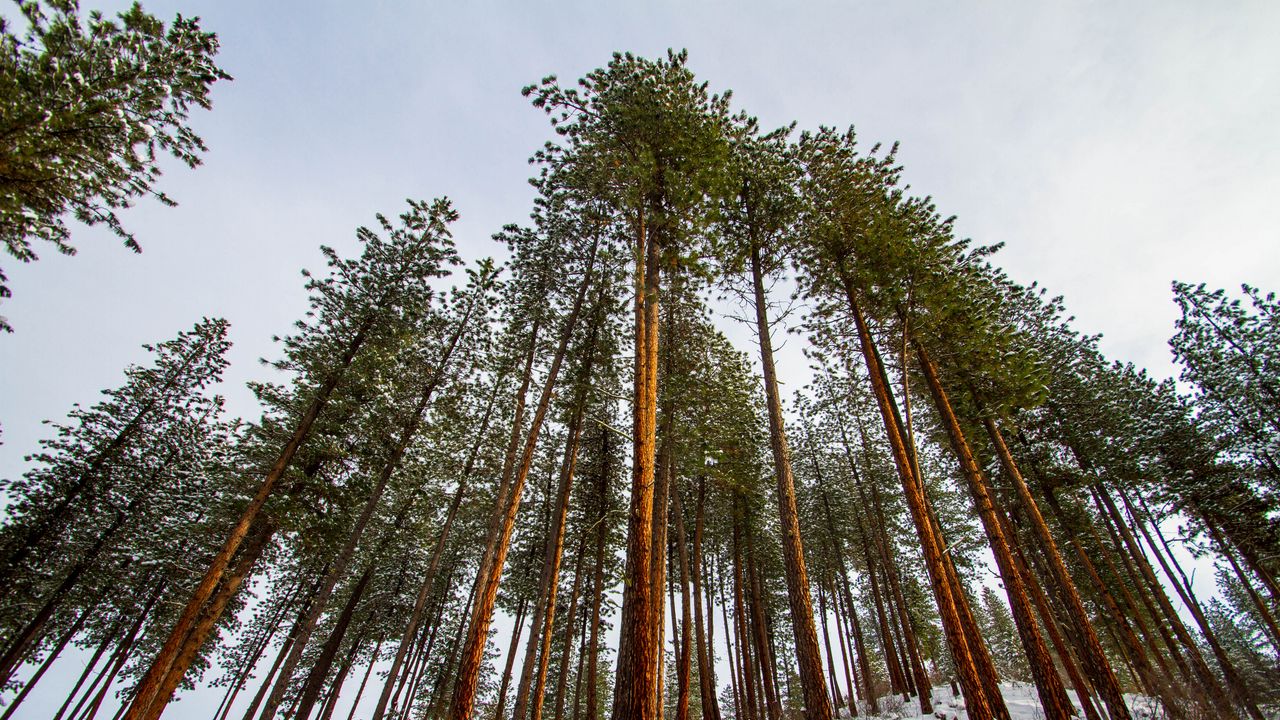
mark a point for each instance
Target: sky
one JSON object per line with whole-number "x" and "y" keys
{"x": 1111, "y": 147}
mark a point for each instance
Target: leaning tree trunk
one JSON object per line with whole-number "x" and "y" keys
{"x": 1095, "y": 663}
{"x": 808, "y": 655}
{"x": 597, "y": 580}
{"x": 149, "y": 700}
{"x": 486, "y": 594}
{"x": 1183, "y": 587}
{"x": 704, "y": 642}
{"x": 545, "y": 611}
{"x": 429, "y": 579}
{"x": 975, "y": 698}
{"x": 1053, "y": 696}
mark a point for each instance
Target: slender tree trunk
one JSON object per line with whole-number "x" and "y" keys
{"x": 1053, "y": 696}
{"x": 567, "y": 649}
{"x": 408, "y": 431}
{"x": 582, "y": 658}
{"x": 761, "y": 633}
{"x": 1082, "y": 688}
{"x": 1157, "y": 684}
{"x": 808, "y": 655}
{"x": 324, "y": 662}
{"x": 242, "y": 677}
{"x": 863, "y": 662}
{"x": 429, "y": 579}
{"x": 742, "y": 625}
{"x": 511, "y": 659}
{"x": 340, "y": 680}
{"x": 683, "y": 660}
{"x": 121, "y": 655}
{"x": 148, "y": 702}
{"x": 438, "y": 693}
{"x": 252, "y": 711}
{"x": 1239, "y": 689}
{"x": 847, "y": 655}
{"x": 23, "y": 641}
{"x": 60, "y": 516}
{"x": 44, "y": 666}
{"x": 422, "y": 650}
{"x": 735, "y": 659}
{"x": 1268, "y": 620}
{"x": 975, "y": 698}
{"x": 250, "y": 553}
{"x": 837, "y": 699}
{"x": 597, "y": 582}
{"x": 1216, "y": 693}
{"x": 1095, "y": 661}
{"x": 637, "y": 669}
{"x": 545, "y": 613}
{"x": 107, "y": 639}
{"x": 703, "y": 641}
{"x": 487, "y": 582}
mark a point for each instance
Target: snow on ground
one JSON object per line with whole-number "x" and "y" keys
{"x": 1020, "y": 698}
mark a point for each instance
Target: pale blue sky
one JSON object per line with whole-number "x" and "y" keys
{"x": 1112, "y": 146}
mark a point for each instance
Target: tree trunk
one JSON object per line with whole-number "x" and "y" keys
{"x": 511, "y": 659}
{"x": 597, "y": 582}
{"x": 735, "y": 657}
{"x": 567, "y": 649}
{"x": 61, "y": 514}
{"x": 1242, "y": 696}
{"x": 489, "y": 578}
{"x": 429, "y": 579}
{"x": 53, "y": 656}
{"x": 545, "y": 611}
{"x": 836, "y": 697}
{"x": 808, "y": 655}
{"x": 763, "y": 653}
{"x": 320, "y": 669}
{"x": 1082, "y": 688}
{"x": 637, "y": 669}
{"x": 742, "y": 624}
{"x": 21, "y": 642}
{"x": 1053, "y": 696}
{"x": 149, "y": 701}
{"x": 1216, "y": 696}
{"x": 703, "y": 641}
{"x": 1095, "y": 663}
{"x": 683, "y": 660}
{"x": 975, "y": 698}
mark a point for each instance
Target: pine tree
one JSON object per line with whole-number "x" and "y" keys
{"x": 88, "y": 105}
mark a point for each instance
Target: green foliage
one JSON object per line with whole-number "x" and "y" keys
{"x": 88, "y": 106}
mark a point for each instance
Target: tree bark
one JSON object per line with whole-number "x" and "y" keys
{"x": 567, "y": 649}
{"x": 975, "y": 697}
{"x": 149, "y": 701}
{"x": 635, "y": 696}
{"x": 511, "y": 658}
{"x": 314, "y": 682}
{"x": 1095, "y": 663}
{"x": 1053, "y": 695}
{"x": 705, "y": 648}
{"x": 429, "y": 579}
{"x": 488, "y": 580}
{"x": 808, "y": 655}
{"x": 597, "y": 582}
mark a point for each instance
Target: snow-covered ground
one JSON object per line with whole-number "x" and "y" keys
{"x": 1020, "y": 698}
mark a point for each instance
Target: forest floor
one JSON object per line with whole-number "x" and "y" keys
{"x": 1020, "y": 698}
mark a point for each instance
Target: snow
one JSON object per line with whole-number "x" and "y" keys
{"x": 1020, "y": 698}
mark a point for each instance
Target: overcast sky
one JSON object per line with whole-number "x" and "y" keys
{"x": 1113, "y": 147}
